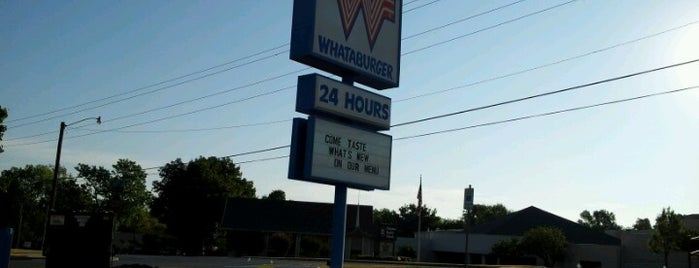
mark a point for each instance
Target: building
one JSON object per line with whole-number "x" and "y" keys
{"x": 305, "y": 219}
{"x": 586, "y": 247}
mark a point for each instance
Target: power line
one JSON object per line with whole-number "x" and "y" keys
{"x": 423, "y": 5}
{"x": 158, "y": 83}
{"x": 434, "y": 92}
{"x": 399, "y": 124}
{"x": 240, "y": 65}
{"x": 243, "y": 153}
{"x": 486, "y": 124}
{"x": 145, "y": 93}
{"x": 208, "y": 96}
{"x": 487, "y": 28}
{"x": 161, "y": 83}
{"x": 550, "y": 113}
{"x": 263, "y": 159}
{"x": 156, "y": 120}
{"x": 257, "y": 151}
{"x": 552, "y": 63}
{"x": 545, "y": 94}
{"x": 462, "y": 20}
{"x": 193, "y": 129}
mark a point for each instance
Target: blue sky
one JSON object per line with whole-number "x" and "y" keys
{"x": 632, "y": 158}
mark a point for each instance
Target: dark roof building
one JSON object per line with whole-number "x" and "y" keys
{"x": 263, "y": 215}
{"x": 518, "y": 223}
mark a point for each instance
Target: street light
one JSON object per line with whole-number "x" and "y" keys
{"x": 57, "y": 167}
{"x": 58, "y": 157}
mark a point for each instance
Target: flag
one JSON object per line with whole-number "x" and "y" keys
{"x": 419, "y": 194}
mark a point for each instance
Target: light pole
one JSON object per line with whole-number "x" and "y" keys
{"x": 56, "y": 168}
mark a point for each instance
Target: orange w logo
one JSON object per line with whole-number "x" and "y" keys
{"x": 374, "y": 11}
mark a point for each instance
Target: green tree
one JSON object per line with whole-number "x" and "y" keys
{"x": 642, "y": 224}
{"x": 277, "y": 195}
{"x": 507, "y": 248}
{"x": 191, "y": 198}
{"x": 446, "y": 224}
{"x": 386, "y": 216}
{"x": 28, "y": 189}
{"x": 547, "y": 243}
{"x": 599, "y": 220}
{"x": 408, "y": 222}
{"x": 486, "y": 213}
{"x": 668, "y": 233}
{"x": 3, "y": 115}
{"x": 122, "y": 190}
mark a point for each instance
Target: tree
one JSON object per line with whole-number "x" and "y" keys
{"x": 668, "y": 233}
{"x": 408, "y": 213}
{"x": 122, "y": 190}
{"x": 507, "y": 248}
{"x": 191, "y": 198}
{"x": 386, "y": 216}
{"x": 446, "y": 224}
{"x": 277, "y": 195}
{"x": 599, "y": 220}
{"x": 642, "y": 224}
{"x": 547, "y": 243}
{"x": 486, "y": 213}
{"x": 27, "y": 191}
{"x": 3, "y": 115}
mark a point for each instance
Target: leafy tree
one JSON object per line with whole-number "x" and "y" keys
{"x": 386, "y": 216}
{"x": 28, "y": 189}
{"x": 446, "y": 224}
{"x": 547, "y": 243}
{"x": 3, "y": 115}
{"x": 191, "y": 197}
{"x": 277, "y": 195}
{"x": 486, "y": 213}
{"x": 599, "y": 220}
{"x": 407, "y": 225}
{"x": 122, "y": 190}
{"x": 642, "y": 224}
{"x": 507, "y": 248}
{"x": 668, "y": 233}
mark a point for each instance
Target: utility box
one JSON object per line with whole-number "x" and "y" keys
{"x": 79, "y": 240}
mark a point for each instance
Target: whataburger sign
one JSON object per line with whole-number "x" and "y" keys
{"x": 360, "y": 41}
{"x": 359, "y": 38}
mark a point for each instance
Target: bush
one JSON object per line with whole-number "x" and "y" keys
{"x": 406, "y": 251}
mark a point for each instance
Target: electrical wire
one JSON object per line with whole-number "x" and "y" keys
{"x": 521, "y": 118}
{"x": 404, "y": 123}
{"x": 156, "y": 120}
{"x": 551, "y": 63}
{"x": 235, "y": 67}
{"x": 549, "y": 113}
{"x": 144, "y": 93}
{"x": 420, "y": 6}
{"x": 487, "y": 28}
{"x": 166, "y": 81}
{"x": 545, "y": 94}
{"x": 462, "y": 20}
{"x": 193, "y": 129}
{"x": 444, "y": 90}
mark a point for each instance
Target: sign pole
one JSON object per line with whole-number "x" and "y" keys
{"x": 337, "y": 258}
{"x": 468, "y": 208}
